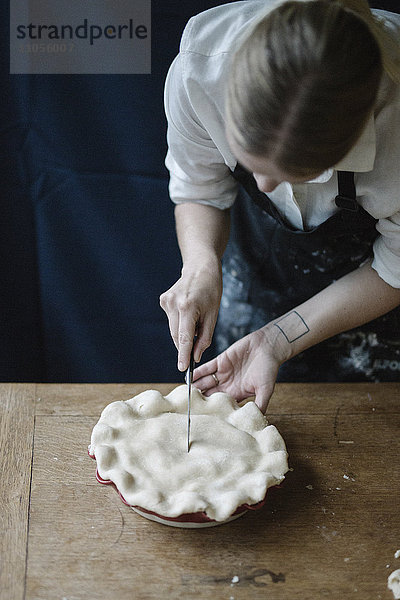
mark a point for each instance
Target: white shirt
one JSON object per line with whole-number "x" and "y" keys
{"x": 200, "y": 161}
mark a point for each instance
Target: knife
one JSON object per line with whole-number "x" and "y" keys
{"x": 189, "y": 381}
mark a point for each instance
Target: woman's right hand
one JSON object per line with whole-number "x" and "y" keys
{"x": 192, "y": 305}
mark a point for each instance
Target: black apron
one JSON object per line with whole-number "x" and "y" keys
{"x": 270, "y": 267}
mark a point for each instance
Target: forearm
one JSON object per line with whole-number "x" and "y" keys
{"x": 192, "y": 303}
{"x": 202, "y": 232}
{"x": 353, "y": 300}
{"x": 250, "y": 366}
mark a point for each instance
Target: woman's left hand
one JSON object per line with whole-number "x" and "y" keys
{"x": 247, "y": 368}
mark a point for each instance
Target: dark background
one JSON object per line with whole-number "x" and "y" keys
{"x": 87, "y": 239}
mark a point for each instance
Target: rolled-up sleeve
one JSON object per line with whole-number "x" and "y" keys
{"x": 387, "y": 250}
{"x": 198, "y": 171}
{"x": 380, "y": 190}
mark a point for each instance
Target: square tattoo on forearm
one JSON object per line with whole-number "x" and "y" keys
{"x": 292, "y": 326}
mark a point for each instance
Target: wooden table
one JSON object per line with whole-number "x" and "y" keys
{"x": 330, "y": 532}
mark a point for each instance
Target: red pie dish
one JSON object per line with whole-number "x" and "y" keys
{"x": 188, "y": 520}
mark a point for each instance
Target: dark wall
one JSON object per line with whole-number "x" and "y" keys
{"x": 392, "y": 5}
{"x": 86, "y": 228}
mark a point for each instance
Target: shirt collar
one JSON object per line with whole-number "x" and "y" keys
{"x": 361, "y": 157}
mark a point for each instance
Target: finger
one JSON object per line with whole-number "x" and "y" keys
{"x": 173, "y": 318}
{"x": 208, "y": 385}
{"x": 163, "y": 299}
{"x": 204, "y": 337}
{"x": 207, "y": 369}
{"x": 207, "y": 379}
{"x": 263, "y": 397}
{"x": 187, "y": 328}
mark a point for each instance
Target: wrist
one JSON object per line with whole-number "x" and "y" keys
{"x": 291, "y": 334}
{"x": 281, "y": 346}
{"x": 204, "y": 261}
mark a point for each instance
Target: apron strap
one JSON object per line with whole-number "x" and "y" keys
{"x": 246, "y": 179}
{"x": 346, "y": 197}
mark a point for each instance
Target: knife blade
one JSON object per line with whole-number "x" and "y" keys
{"x": 189, "y": 381}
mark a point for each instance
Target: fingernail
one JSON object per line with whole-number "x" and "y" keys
{"x": 180, "y": 366}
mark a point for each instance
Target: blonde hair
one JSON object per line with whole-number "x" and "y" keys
{"x": 305, "y": 80}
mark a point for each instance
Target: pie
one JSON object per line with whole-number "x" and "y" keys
{"x": 140, "y": 446}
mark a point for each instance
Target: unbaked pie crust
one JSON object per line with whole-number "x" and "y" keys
{"x": 235, "y": 456}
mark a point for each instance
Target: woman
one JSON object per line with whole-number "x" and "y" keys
{"x": 299, "y": 104}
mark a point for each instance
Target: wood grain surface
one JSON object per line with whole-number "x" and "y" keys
{"x": 330, "y": 531}
{"x": 16, "y": 442}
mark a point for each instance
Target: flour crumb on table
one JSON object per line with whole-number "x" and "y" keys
{"x": 397, "y": 554}
{"x": 394, "y": 584}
